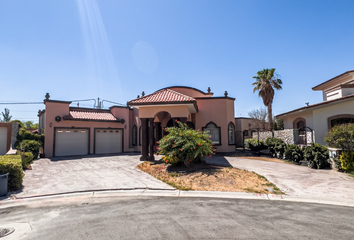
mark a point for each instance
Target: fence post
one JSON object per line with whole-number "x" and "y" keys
{"x": 258, "y": 135}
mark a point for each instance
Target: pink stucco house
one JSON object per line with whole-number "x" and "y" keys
{"x": 137, "y": 126}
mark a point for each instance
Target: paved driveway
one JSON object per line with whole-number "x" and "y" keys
{"x": 297, "y": 180}
{"x": 73, "y": 174}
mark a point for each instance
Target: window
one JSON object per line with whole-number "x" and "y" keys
{"x": 140, "y": 136}
{"x": 245, "y": 133}
{"x": 340, "y": 119}
{"x": 134, "y": 135}
{"x": 214, "y": 132}
{"x": 231, "y": 133}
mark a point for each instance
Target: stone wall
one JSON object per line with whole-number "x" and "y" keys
{"x": 289, "y": 136}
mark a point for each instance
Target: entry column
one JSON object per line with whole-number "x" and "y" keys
{"x": 158, "y": 131}
{"x": 144, "y": 138}
{"x": 151, "y": 139}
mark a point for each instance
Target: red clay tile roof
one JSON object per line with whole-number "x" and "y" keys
{"x": 95, "y": 116}
{"x": 162, "y": 96}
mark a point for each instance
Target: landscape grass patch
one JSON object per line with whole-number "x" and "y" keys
{"x": 204, "y": 177}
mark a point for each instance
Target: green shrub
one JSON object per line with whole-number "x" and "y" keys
{"x": 30, "y": 146}
{"x": 170, "y": 159}
{"x": 254, "y": 145}
{"x": 276, "y": 147}
{"x": 12, "y": 165}
{"x": 293, "y": 153}
{"x": 187, "y": 145}
{"x": 21, "y": 125}
{"x": 341, "y": 136}
{"x": 27, "y": 159}
{"x": 347, "y": 160}
{"x": 23, "y": 134}
{"x": 317, "y": 156}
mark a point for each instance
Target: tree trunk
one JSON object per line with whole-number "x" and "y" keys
{"x": 270, "y": 117}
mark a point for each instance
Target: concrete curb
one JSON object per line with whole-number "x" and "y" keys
{"x": 171, "y": 193}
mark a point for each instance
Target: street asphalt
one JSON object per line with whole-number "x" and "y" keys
{"x": 176, "y": 218}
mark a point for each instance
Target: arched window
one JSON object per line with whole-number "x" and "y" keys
{"x": 231, "y": 133}
{"x": 214, "y": 132}
{"x": 134, "y": 135}
{"x": 299, "y": 123}
{"x": 340, "y": 119}
{"x": 140, "y": 136}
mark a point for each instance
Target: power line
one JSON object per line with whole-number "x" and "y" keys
{"x": 23, "y": 103}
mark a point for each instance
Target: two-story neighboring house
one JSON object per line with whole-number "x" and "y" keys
{"x": 337, "y": 108}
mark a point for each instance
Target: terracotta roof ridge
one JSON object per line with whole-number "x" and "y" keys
{"x": 181, "y": 94}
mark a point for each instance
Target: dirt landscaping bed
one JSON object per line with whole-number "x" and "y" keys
{"x": 205, "y": 177}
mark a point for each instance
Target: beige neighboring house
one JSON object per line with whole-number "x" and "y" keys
{"x": 245, "y": 127}
{"x": 337, "y": 108}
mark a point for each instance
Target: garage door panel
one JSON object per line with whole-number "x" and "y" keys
{"x": 3, "y": 140}
{"x": 69, "y": 142}
{"x": 108, "y": 141}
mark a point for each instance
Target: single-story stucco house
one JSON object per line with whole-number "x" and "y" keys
{"x": 337, "y": 108}
{"x": 137, "y": 126}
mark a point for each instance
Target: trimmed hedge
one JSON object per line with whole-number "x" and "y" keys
{"x": 27, "y": 159}
{"x": 12, "y": 165}
{"x": 252, "y": 143}
{"x": 29, "y": 142}
{"x": 30, "y": 146}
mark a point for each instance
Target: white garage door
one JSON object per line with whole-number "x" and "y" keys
{"x": 69, "y": 142}
{"x": 108, "y": 141}
{"x": 3, "y": 140}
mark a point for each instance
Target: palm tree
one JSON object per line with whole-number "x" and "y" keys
{"x": 6, "y": 116}
{"x": 265, "y": 83}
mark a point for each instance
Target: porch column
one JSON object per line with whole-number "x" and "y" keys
{"x": 144, "y": 138}
{"x": 151, "y": 139}
{"x": 158, "y": 131}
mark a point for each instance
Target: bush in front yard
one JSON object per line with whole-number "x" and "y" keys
{"x": 276, "y": 147}
{"x": 186, "y": 145}
{"x": 30, "y": 146}
{"x": 12, "y": 165}
{"x": 317, "y": 156}
{"x": 254, "y": 145}
{"x": 347, "y": 160}
{"x": 341, "y": 136}
{"x": 293, "y": 153}
{"x": 27, "y": 159}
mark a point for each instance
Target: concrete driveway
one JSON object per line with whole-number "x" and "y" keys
{"x": 76, "y": 174}
{"x": 297, "y": 180}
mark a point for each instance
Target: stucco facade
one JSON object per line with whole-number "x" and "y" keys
{"x": 141, "y": 123}
{"x": 338, "y": 103}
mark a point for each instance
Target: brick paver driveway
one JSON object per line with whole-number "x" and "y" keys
{"x": 75, "y": 174}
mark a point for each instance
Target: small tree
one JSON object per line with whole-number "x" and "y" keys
{"x": 186, "y": 145}
{"x": 259, "y": 117}
{"x": 341, "y": 136}
{"x": 6, "y": 115}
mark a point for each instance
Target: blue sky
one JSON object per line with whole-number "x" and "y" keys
{"x": 116, "y": 49}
